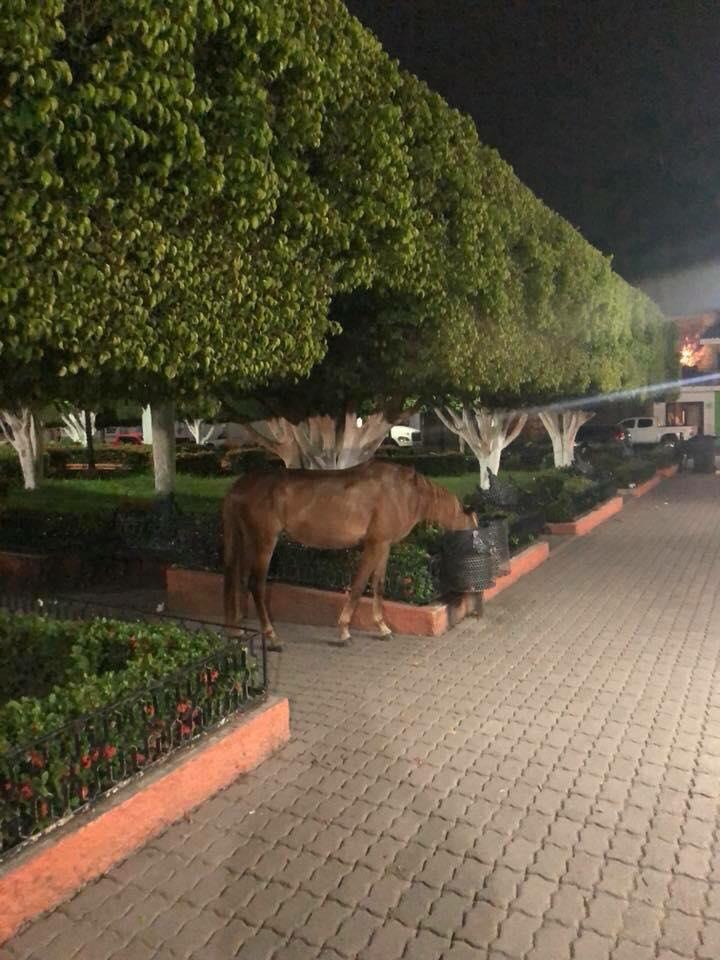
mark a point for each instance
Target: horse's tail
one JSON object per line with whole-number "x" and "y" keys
{"x": 232, "y": 560}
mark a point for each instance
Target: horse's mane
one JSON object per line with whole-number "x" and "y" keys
{"x": 438, "y": 496}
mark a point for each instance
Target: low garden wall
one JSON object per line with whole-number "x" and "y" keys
{"x": 199, "y": 593}
{"x": 642, "y": 488}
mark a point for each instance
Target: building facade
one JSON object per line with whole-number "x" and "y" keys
{"x": 692, "y": 299}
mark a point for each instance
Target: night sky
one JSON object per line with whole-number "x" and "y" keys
{"x": 608, "y": 109}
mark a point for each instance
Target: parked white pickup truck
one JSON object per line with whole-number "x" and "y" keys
{"x": 648, "y": 430}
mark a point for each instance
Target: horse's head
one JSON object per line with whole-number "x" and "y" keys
{"x": 444, "y": 508}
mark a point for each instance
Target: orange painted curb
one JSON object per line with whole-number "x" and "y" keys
{"x": 522, "y": 563}
{"x": 588, "y": 522}
{"x": 642, "y": 488}
{"x": 54, "y": 873}
{"x": 199, "y": 593}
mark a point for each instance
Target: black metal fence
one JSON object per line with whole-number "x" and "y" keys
{"x": 47, "y": 779}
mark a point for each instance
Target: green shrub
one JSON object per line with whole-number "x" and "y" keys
{"x": 10, "y": 471}
{"x": 46, "y": 532}
{"x": 635, "y": 471}
{"x": 409, "y": 571}
{"x": 242, "y": 461}
{"x": 562, "y": 494}
{"x": 199, "y": 463}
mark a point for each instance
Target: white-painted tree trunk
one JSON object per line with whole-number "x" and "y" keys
{"x": 24, "y": 431}
{"x": 163, "y": 447}
{"x": 486, "y": 432}
{"x": 321, "y": 443}
{"x": 563, "y": 426}
{"x": 74, "y": 429}
{"x": 200, "y": 431}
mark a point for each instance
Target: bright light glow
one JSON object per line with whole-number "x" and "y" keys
{"x": 690, "y": 352}
{"x": 583, "y": 403}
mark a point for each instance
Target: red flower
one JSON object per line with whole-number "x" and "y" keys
{"x": 109, "y": 752}
{"x": 149, "y": 709}
{"x": 36, "y": 759}
{"x": 139, "y": 759}
{"x": 185, "y": 729}
{"x": 214, "y": 675}
{"x": 85, "y": 760}
{"x": 26, "y": 791}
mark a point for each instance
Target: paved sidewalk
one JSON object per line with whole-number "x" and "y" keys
{"x": 539, "y": 785}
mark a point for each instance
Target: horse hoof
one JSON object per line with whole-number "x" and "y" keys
{"x": 385, "y": 636}
{"x": 340, "y": 643}
{"x": 274, "y": 645}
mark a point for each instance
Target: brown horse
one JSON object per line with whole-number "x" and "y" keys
{"x": 376, "y": 504}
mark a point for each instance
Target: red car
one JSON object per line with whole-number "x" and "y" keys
{"x": 123, "y": 437}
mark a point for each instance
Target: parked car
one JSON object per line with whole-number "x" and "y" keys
{"x": 592, "y": 435}
{"x": 647, "y": 430}
{"x": 126, "y": 437}
{"x": 402, "y": 436}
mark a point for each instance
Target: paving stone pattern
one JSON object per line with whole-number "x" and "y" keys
{"x": 539, "y": 785}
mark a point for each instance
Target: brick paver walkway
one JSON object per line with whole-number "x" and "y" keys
{"x": 541, "y": 785}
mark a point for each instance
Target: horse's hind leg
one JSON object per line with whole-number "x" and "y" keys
{"x": 235, "y": 571}
{"x": 378, "y": 585}
{"x": 264, "y": 549}
{"x": 368, "y": 563}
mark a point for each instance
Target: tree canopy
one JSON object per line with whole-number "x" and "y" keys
{"x": 212, "y": 196}
{"x": 186, "y": 188}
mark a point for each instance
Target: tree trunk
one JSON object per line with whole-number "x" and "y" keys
{"x": 486, "y": 432}
{"x": 563, "y": 426}
{"x": 163, "y": 447}
{"x": 89, "y": 430}
{"x": 200, "y": 432}
{"x": 320, "y": 443}
{"x": 24, "y": 431}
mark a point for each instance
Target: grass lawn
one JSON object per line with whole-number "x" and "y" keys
{"x": 195, "y": 494}
{"x": 77, "y": 495}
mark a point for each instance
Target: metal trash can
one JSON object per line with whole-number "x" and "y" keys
{"x": 702, "y": 451}
{"x": 467, "y": 565}
{"x": 495, "y": 534}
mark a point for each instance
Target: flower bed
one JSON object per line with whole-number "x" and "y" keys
{"x": 84, "y": 706}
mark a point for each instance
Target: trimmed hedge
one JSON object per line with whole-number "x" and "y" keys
{"x": 433, "y": 464}
{"x": 134, "y": 458}
{"x": 199, "y": 462}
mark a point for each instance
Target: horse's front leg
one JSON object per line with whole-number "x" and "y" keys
{"x": 368, "y": 563}
{"x": 378, "y": 585}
